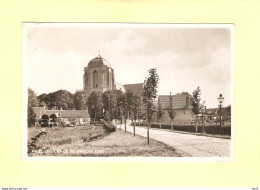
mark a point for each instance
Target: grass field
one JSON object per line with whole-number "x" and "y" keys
{"x": 92, "y": 141}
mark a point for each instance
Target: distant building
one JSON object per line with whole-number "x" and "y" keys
{"x": 212, "y": 115}
{"x": 98, "y": 75}
{"x": 180, "y": 103}
{"x": 177, "y": 101}
{"x": 78, "y": 117}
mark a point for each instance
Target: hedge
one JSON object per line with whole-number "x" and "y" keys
{"x": 109, "y": 127}
{"x": 209, "y": 128}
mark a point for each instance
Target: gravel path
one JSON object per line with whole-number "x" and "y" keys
{"x": 192, "y": 145}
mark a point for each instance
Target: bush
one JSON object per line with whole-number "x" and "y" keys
{"x": 109, "y": 127}
{"x": 209, "y": 128}
{"x": 188, "y": 128}
{"x": 61, "y": 124}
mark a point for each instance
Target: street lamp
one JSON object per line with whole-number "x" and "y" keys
{"x": 220, "y": 101}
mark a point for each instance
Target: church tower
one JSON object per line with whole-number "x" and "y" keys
{"x": 98, "y": 75}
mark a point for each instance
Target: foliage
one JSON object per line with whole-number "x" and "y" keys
{"x": 53, "y": 116}
{"x": 80, "y": 100}
{"x": 160, "y": 112}
{"x": 120, "y": 98}
{"x": 196, "y": 105}
{"x": 46, "y": 117}
{"x": 32, "y": 102}
{"x": 108, "y": 126}
{"x": 122, "y": 104}
{"x": 171, "y": 113}
{"x": 95, "y": 105}
{"x": 150, "y": 92}
{"x": 135, "y": 106}
{"x": 209, "y": 128}
{"x": 132, "y": 104}
{"x": 109, "y": 99}
{"x": 61, "y": 99}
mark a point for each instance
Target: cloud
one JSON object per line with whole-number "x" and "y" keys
{"x": 127, "y": 42}
{"x": 49, "y": 72}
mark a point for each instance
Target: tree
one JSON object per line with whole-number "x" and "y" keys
{"x": 61, "y": 99}
{"x": 196, "y": 105}
{"x": 95, "y": 105}
{"x": 120, "y": 98}
{"x": 135, "y": 108}
{"x": 171, "y": 113}
{"x": 80, "y": 100}
{"x": 109, "y": 100}
{"x": 149, "y": 95}
{"x": 160, "y": 114}
{"x": 129, "y": 102}
{"x": 124, "y": 108}
{"x": 32, "y": 102}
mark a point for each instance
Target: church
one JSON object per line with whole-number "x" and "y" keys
{"x": 99, "y": 75}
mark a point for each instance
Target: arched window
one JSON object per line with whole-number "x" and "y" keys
{"x": 95, "y": 79}
{"x": 45, "y": 117}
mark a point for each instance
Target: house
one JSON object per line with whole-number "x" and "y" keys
{"x": 180, "y": 103}
{"x": 78, "y": 117}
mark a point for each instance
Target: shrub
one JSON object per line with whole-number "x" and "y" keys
{"x": 108, "y": 126}
{"x": 209, "y": 128}
{"x": 62, "y": 124}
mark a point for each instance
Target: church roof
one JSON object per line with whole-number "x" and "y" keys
{"x": 134, "y": 87}
{"x": 120, "y": 87}
{"x": 99, "y": 61}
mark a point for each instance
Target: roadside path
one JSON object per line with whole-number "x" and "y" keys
{"x": 192, "y": 145}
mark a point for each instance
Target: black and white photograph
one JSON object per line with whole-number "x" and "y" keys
{"x": 125, "y": 90}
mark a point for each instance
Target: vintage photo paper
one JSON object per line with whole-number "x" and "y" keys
{"x": 128, "y": 92}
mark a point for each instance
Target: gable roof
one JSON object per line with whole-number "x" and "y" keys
{"x": 179, "y": 101}
{"x": 211, "y": 111}
{"x": 134, "y": 87}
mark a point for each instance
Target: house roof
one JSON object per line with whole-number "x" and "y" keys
{"x": 134, "y": 87}
{"x": 178, "y": 101}
{"x": 39, "y": 111}
{"x": 216, "y": 111}
{"x": 211, "y": 111}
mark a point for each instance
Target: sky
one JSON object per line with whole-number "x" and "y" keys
{"x": 185, "y": 56}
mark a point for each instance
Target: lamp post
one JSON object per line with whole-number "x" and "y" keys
{"x": 220, "y": 101}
